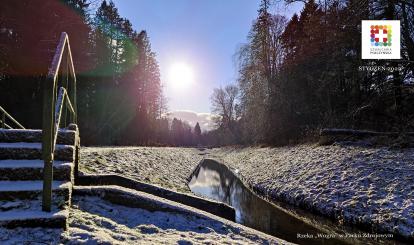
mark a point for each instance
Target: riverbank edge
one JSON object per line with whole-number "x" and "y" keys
{"x": 272, "y": 195}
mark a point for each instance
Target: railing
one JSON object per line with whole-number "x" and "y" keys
{"x": 5, "y": 115}
{"x": 61, "y": 78}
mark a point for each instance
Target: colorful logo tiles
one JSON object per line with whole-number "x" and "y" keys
{"x": 381, "y": 35}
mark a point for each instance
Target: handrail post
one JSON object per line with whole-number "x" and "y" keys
{"x": 47, "y": 148}
{"x": 52, "y": 113}
{"x": 73, "y": 95}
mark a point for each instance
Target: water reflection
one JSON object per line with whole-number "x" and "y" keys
{"x": 214, "y": 180}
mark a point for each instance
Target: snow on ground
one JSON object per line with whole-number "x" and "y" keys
{"x": 348, "y": 182}
{"x": 96, "y": 221}
{"x": 30, "y": 185}
{"x": 167, "y": 167}
{"x": 352, "y": 183}
{"x": 12, "y": 164}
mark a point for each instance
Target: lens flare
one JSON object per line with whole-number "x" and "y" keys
{"x": 180, "y": 76}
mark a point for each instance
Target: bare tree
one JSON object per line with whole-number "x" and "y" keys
{"x": 224, "y": 103}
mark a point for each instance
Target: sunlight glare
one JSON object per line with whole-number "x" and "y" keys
{"x": 180, "y": 76}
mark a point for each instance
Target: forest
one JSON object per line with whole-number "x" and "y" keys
{"x": 295, "y": 76}
{"x": 120, "y": 98}
{"x": 299, "y": 75}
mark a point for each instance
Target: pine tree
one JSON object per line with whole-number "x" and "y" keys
{"x": 197, "y": 133}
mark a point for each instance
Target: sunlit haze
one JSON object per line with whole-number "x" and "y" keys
{"x": 180, "y": 77}
{"x": 195, "y": 39}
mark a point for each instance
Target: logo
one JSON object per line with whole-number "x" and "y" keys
{"x": 381, "y": 39}
{"x": 381, "y": 35}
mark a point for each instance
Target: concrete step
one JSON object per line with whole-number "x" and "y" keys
{"x": 23, "y": 150}
{"x": 65, "y": 136}
{"x": 34, "y": 218}
{"x": 21, "y": 178}
{"x": 32, "y": 190}
{"x": 33, "y": 170}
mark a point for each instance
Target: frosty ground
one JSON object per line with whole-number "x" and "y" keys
{"x": 356, "y": 184}
{"x": 168, "y": 167}
{"x": 352, "y": 183}
{"x": 96, "y": 221}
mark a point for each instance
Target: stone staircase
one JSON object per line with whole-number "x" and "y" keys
{"x": 21, "y": 177}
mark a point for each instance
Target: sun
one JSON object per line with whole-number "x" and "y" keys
{"x": 180, "y": 76}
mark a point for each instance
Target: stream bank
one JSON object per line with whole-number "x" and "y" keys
{"x": 372, "y": 188}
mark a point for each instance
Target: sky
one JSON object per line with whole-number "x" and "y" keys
{"x": 202, "y": 35}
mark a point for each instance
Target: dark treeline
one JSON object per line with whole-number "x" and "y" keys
{"x": 299, "y": 75}
{"x": 120, "y": 98}
{"x": 295, "y": 76}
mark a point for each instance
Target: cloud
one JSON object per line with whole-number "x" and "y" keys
{"x": 204, "y": 119}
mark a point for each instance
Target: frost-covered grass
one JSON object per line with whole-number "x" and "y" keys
{"x": 355, "y": 184}
{"x": 165, "y": 166}
{"x": 93, "y": 220}
{"x": 96, "y": 221}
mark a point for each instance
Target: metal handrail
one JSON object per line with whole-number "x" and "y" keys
{"x": 61, "y": 99}
{"x": 3, "y": 123}
{"x": 52, "y": 110}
